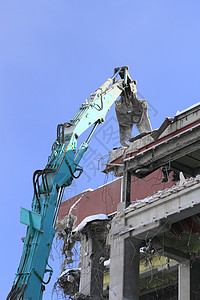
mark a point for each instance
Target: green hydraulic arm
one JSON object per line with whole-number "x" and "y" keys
{"x": 49, "y": 184}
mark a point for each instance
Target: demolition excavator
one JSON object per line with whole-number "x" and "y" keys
{"x": 62, "y": 167}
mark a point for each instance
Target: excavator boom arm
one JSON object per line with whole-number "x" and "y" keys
{"x": 49, "y": 184}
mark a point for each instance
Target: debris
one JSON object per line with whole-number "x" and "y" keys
{"x": 63, "y": 232}
{"x": 79, "y": 296}
{"x": 182, "y": 178}
{"x": 68, "y": 282}
{"x": 64, "y": 229}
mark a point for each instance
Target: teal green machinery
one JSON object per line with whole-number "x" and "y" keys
{"x": 63, "y": 164}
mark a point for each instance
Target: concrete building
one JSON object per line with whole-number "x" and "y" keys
{"x": 146, "y": 224}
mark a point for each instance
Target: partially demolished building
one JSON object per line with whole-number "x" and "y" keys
{"x": 140, "y": 234}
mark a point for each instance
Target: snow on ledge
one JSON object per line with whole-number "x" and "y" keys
{"x": 66, "y": 271}
{"x": 88, "y": 220}
{"x": 187, "y": 109}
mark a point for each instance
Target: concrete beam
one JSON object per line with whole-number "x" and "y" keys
{"x": 169, "y": 150}
{"x": 160, "y": 211}
{"x": 179, "y": 137}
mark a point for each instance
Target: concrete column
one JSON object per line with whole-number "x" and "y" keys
{"x": 131, "y": 269}
{"x": 85, "y": 253}
{"x": 92, "y": 266}
{"x": 184, "y": 281}
{"x": 126, "y": 188}
{"x": 116, "y": 268}
{"x": 124, "y": 269}
{"x": 195, "y": 280}
{"x": 189, "y": 280}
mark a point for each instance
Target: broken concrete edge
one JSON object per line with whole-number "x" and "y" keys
{"x": 87, "y": 220}
{"x": 163, "y": 193}
{"x": 180, "y": 185}
{"x": 65, "y": 225}
{"x": 68, "y": 283}
{"x": 191, "y": 117}
{"x": 191, "y": 184}
{"x": 64, "y": 273}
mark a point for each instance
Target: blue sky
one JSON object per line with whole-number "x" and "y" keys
{"x": 53, "y": 54}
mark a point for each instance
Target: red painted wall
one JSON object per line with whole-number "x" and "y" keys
{"x": 105, "y": 198}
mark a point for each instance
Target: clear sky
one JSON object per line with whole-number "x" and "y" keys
{"x": 53, "y": 54}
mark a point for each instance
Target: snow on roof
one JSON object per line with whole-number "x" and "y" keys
{"x": 87, "y": 190}
{"x": 107, "y": 263}
{"x": 185, "y": 110}
{"x": 88, "y": 220}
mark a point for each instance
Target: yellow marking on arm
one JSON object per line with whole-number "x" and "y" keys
{"x": 62, "y": 159}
